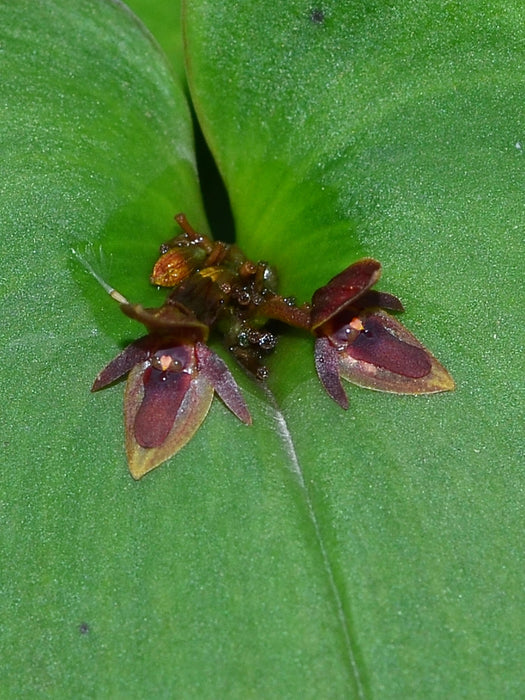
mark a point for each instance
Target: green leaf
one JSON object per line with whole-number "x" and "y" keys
{"x": 163, "y": 19}
{"x": 179, "y": 585}
{"x": 318, "y": 553}
{"x": 393, "y": 131}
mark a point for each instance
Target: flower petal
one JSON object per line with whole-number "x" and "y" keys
{"x": 327, "y": 366}
{"x": 133, "y": 354}
{"x": 221, "y": 379}
{"x": 383, "y": 300}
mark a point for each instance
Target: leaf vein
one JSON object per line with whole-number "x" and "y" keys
{"x": 295, "y": 465}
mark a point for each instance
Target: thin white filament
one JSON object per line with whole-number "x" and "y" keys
{"x": 113, "y": 293}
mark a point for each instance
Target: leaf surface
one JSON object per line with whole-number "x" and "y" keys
{"x": 319, "y": 553}
{"x": 393, "y": 131}
{"x": 178, "y": 585}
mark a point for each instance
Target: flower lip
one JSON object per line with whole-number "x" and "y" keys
{"x": 377, "y": 345}
{"x": 387, "y": 357}
{"x": 164, "y": 392}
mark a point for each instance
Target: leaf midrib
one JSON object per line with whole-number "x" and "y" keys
{"x": 295, "y": 466}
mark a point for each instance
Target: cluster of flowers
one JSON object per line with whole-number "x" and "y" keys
{"x": 173, "y": 374}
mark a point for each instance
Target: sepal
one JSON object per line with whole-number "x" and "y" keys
{"x": 342, "y": 290}
{"x": 385, "y": 356}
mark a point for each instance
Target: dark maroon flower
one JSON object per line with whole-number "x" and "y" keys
{"x": 357, "y": 340}
{"x": 172, "y": 378}
{"x": 172, "y": 373}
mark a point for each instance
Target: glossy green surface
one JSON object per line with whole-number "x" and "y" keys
{"x": 372, "y": 553}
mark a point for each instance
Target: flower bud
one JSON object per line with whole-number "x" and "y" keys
{"x": 175, "y": 265}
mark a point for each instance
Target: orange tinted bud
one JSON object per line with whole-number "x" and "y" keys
{"x": 173, "y": 267}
